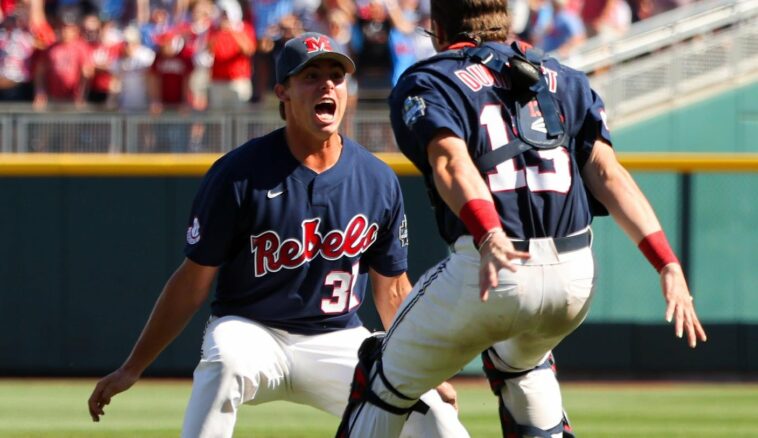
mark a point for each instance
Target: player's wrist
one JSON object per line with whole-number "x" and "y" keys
{"x": 656, "y": 249}
{"x": 673, "y": 268}
{"x": 132, "y": 373}
{"x": 489, "y": 237}
{"x": 480, "y": 218}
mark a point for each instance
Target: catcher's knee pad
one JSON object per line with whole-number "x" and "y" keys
{"x": 510, "y": 428}
{"x": 369, "y": 359}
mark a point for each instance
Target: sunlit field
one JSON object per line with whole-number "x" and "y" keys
{"x": 31, "y": 408}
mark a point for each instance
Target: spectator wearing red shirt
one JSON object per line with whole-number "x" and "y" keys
{"x": 169, "y": 90}
{"x": 33, "y": 14}
{"x": 63, "y": 71}
{"x": 195, "y": 34}
{"x": 232, "y": 43}
{"x": 107, "y": 44}
{"x": 6, "y": 8}
{"x": 170, "y": 72}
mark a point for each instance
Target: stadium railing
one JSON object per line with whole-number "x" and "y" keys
{"x": 661, "y": 31}
{"x": 667, "y": 60}
{"x": 211, "y": 132}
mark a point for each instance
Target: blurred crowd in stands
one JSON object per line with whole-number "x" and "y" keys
{"x": 193, "y": 55}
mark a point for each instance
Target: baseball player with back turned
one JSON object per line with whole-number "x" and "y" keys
{"x": 514, "y": 148}
{"x": 291, "y": 224}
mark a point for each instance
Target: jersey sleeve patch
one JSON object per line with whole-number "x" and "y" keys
{"x": 414, "y": 107}
{"x": 193, "y": 232}
{"x": 403, "y": 232}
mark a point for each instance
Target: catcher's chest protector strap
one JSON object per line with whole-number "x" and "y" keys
{"x": 528, "y": 83}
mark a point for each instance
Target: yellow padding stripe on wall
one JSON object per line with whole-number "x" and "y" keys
{"x": 117, "y": 165}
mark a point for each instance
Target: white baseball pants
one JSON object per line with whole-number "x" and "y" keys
{"x": 243, "y": 362}
{"x": 443, "y": 325}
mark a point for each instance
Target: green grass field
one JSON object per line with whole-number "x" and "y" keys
{"x": 153, "y": 408}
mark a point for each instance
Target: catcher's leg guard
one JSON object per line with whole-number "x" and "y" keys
{"x": 510, "y": 428}
{"x": 369, "y": 360}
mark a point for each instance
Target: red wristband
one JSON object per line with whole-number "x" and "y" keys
{"x": 657, "y": 250}
{"x": 479, "y": 216}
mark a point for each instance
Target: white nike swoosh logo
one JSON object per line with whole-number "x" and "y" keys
{"x": 539, "y": 125}
{"x": 272, "y": 194}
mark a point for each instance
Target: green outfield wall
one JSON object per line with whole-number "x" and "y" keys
{"x": 83, "y": 259}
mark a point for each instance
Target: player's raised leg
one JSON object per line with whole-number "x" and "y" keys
{"x": 521, "y": 369}
{"x": 427, "y": 344}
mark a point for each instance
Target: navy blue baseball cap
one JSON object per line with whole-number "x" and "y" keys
{"x": 310, "y": 46}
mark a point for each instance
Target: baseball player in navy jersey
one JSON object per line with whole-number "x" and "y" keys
{"x": 515, "y": 150}
{"x": 291, "y": 224}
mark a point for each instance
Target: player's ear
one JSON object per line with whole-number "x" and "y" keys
{"x": 282, "y": 92}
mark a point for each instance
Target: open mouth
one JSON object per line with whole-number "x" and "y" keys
{"x": 326, "y": 109}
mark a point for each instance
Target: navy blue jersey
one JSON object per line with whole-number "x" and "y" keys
{"x": 538, "y": 193}
{"x": 294, "y": 246}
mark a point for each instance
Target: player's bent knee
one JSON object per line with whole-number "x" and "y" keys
{"x": 510, "y": 427}
{"x": 368, "y": 372}
{"x": 232, "y": 380}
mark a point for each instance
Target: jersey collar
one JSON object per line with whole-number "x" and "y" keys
{"x": 460, "y": 45}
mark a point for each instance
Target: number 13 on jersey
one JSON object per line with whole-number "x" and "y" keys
{"x": 552, "y": 173}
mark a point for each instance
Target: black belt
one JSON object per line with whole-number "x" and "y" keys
{"x": 562, "y": 244}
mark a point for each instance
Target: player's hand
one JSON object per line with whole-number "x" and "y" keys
{"x": 110, "y": 385}
{"x": 496, "y": 252}
{"x": 448, "y": 394}
{"x": 679, "y": 305}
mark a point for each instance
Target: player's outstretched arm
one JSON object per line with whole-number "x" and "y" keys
{"x": 388, "y": 293}
{"x": 182, "y": 296}
{"x": 460, "y": 185}
{"x": 612, "y": 185}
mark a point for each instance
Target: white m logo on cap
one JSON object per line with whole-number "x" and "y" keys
{"x": 320, "y": 44}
